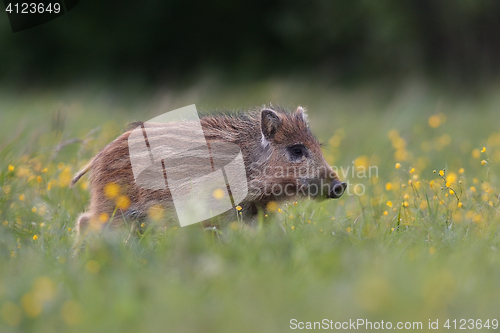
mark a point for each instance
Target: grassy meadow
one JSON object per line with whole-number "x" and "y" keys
{"x": 421, "y": 243}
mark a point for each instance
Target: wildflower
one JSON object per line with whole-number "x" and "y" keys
{"x": 385, "y": 213}
{"x": 156, "y": 212}
{"x": 272, "y": 206}
{"x": 218, "y": 194}
{"x": 11, "y": 168}
{"x": 431, "y": 183}
{"x": 452, "y": 192}
{"x": 111, "y": 190}
{"x": 441, "y": 173}
{"x": 42, "y": 225}
{"x": 39, "y": 179}
{"x": 412, "y": 170}
{"x": 461, "y": 170}
{"x": 405, "y": 204}
{"x": 448, "y": 184}
{"x": 292, "y": 227}
{"x": 69, "y": 229}
{"x": 143, "y": 225}
{"x": 123, "y": 202}
{"x": 451, "y": 177}
{"x": 21, "y": 197}
{"x": 348, "y": 229}
{"x": 434, "y": 121}
{"x": 483, "y": 150}
{"x": 406, "y": 196}
{"x": 238, "y": 208}
{"x": 49, "y": 185}
{"x": 35, "y": 237}
{"x": 103, "y": 217}
{"x": 44, "y": 170}
{"x": 398, "y": 165}
{"x": 483, "y": 162}
{"x": 460, "y": 205}
{"x": 389, "y": 203}
{"x": 34, "y": 210}
{"x": 388, "y": 186}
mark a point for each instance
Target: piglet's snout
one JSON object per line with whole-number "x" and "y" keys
{"x": 337, "y": 188}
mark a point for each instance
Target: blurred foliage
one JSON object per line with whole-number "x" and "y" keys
{"x": 340, "y": 40}
{"x": 407, "y": 250}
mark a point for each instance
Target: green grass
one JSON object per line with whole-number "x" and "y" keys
{"x": 425, "y": 258}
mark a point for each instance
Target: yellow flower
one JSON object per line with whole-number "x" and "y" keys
{"x": 45, "y": 170}
{"x": 388, "y": 186}
{"x": 412, "y": 170}
{"x": 483, "y": 162}
{"x": 103, "y": 217}
{"x": 385, "y": 213}
{"x": 39, "y": 179}
{"x": 448, "y": 184}
{"x": 69, "y": 229}
{"x": 272, "y": 206}
{"x": 406, "y": 204}
{"x": 441, "y": 173}
{"x": 389, "y": 203}
{"x": 483, "y": 150}
{"x": 452, "y": 192}
{"x": 156, "y": 212}
{"x": 293, "y": 227}
{"x": 461, "y": 170}
{"x": 398, "y": 165}
{"x": 473, "y": 188}
{"x": 21, "y": 197}
{"x": 49, "y": 185}
{"x": 434, "y": 121}
{"x": 218, "y": 194}
{"x": 460, "y": 204}
{"x": 238, "y": 208}
{"x": 111, "y": 190}
{"x": 143, "y": 225}
{"x": 35, "y": 237}
{"x": 11, "y": 168}
{"x": 476, "y": 153}
{"x": 123, "y": 202}
{"x": 34, "y": 210}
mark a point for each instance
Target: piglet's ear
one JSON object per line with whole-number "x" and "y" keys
{"x": 270, "y": 123}
{"x": 301, "y": 113}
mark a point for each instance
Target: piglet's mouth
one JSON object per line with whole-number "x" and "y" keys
{"x": 337, "y": 189}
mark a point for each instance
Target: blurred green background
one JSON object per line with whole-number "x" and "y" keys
{"x": 408, "y": 86}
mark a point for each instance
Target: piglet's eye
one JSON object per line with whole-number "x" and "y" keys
{"x": 297, "y": 151}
